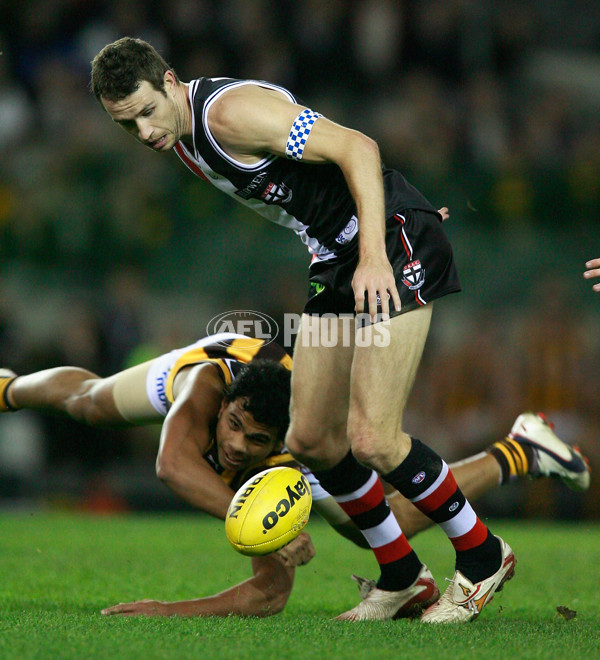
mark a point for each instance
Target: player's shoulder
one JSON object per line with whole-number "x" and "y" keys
{"x": 229, "y": 99}
{"x": 230, "y": 106}
{"x": 206, "y": 91}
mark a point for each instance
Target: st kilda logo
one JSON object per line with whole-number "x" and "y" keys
{"x": 413, "y": 275}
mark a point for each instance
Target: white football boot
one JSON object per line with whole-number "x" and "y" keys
{"x": 463, "y": 601}
{"x": 379, "y": 605}
{"x": 552, "y": 456}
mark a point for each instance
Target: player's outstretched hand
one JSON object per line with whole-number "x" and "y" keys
{"x": 593, "y": 270}
{"x": 139, "y": 608}
{"x": 298, "y": 552}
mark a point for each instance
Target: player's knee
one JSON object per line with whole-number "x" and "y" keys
{"x": 316, "y": 448}
{"x": 301, "y": 443}
{"x": 364, "y": 447}
{"x": 376, "y": 439}
{"x": 82, "y": 407}
{"x": 373, "y": 446}
{"x": 92, "y": 403}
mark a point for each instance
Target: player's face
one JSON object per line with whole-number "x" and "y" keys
{"x": 149, "y": 116}
{"x": 241, "y": 441}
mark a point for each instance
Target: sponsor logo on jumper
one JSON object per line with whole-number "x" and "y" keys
{"x": 253, "y": 186}
{"x": 254, "y": 325}
{"x": 277, "y": 193}
{"x": 317, "y": 287}
{"x": 453, "y": 507}
{"x": 418, "y": 478}
{"x": 160, "y": 387}
{"x": 348, "y": 233}
{"x": 413, "y": 275}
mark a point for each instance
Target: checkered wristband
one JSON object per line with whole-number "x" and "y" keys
{"x": 299, "y": 133}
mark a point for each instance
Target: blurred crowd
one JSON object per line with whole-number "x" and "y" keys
{"x": 111, "y": 254}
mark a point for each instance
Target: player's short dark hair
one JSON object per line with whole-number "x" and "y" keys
{"x": 266, "y": 387}
{"x": 120, "y": 67}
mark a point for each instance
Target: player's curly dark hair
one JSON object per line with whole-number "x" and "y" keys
{"x": 120, "y": 67}
{"x": 265, "y": 384}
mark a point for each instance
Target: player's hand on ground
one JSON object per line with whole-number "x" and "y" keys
{"x": 375, "y": 278}
{"x": 298, "y": 552}
{"x": 138, "y": 608}
{"x": 445, "y": 213}
{"x": 593, "y": 270}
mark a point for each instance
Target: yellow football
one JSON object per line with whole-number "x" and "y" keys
{"x": 268, "y": 511}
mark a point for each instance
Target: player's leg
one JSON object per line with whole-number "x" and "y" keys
{"x": 355, "y": 487}
{"x": 120, "y": 399}
{"x": 381, "y": 381}
{"x": 317, "y": 438}
{"x": 374, "y": 425}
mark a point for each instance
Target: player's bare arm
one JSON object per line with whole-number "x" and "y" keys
{"x": 250, "y": 121}
{"x": 593, "y": 270}
{"x": 186, "y": 436}
{"x": 264, "y": 594}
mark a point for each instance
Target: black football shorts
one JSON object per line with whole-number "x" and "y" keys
{"x": 420, "y": 255}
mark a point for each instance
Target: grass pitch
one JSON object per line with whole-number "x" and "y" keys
{"x": 58, "y": 571}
